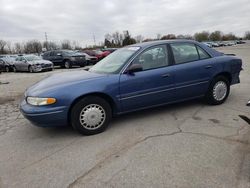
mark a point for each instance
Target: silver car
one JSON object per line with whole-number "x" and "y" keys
{"x": 32, "y": 63}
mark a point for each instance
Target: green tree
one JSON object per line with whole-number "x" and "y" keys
{"x": 128, "y": 39}
{"x": 202, "y": 36}
{"x": 216, "y": 36}
{"x": 168, "y": 36}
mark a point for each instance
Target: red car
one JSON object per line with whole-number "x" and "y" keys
{"x": 97, "y": 53}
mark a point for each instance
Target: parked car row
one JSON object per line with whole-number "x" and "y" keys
{"x": 49, "y": 59}
{"x": 222, "y": 43}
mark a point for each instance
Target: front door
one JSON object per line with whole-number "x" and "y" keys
{"x": 152, "y": 86}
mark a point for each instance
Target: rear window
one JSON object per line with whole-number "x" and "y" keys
{"x": 202, "y": 53}
{"x": 184, "y": 52}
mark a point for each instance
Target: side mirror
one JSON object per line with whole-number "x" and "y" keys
{"x": 134, "y": 68}
{"x": 59, "y": 54}
{"x": 248, "y": 104}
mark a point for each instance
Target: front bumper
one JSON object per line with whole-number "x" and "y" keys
{"x": 42, "y": 68}
{"x": 45, "y": 116}
{"x": 79, "y": 62}
{"x": 235, "y": 78}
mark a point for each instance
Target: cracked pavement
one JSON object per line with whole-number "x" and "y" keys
{"x": 189, "y": 144}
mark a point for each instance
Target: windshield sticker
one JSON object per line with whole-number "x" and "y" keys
{"x": 135, "y": 48}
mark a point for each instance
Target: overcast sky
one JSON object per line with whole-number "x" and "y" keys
{"x": 21, "y": 20}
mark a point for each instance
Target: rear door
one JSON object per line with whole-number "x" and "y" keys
{"x": 193, "y": 70}
{"x": 24, "y": 64}
{"x": 152, "y": 86}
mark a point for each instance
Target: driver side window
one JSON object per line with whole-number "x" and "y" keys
{"x": 153, "y": 58}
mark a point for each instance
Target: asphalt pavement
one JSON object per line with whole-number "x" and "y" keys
{"x": 184, "y": 145}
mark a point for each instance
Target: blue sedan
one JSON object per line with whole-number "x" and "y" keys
{"x": 132, "y": 78}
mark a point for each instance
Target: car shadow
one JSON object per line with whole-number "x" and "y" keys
{"x": 69, "y": 132}
{"x": 169, "y": 108}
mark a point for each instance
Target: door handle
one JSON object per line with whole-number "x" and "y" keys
{"x": 208, "y": 67}
{"x": 165, "y": 75}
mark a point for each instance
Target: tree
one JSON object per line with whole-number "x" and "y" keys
{"x": 139, "y": 38}
{"x": 147, "y": 40}
{"x": 127, "y": 39}
{"x": 107, "y": 43}
{"x": 158, "y": 36}
{"x": 66, "y": 44}
{"x": 2, "y": 46}
{"x": 203, "y": 36}
{"x": 247, "y": 35}
{"x": 50, "y": 45}
{"x": 229, "y": 36}
{"x": 33, "y": 46}
{"x": 215, "y": 36}
{"x": 117, "y": 39}
{"x": 18, "y": 48}
{"x": 168, "y": 36}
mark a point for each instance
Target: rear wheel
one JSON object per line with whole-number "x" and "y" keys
{"x": 7, "y": 69}
{"x": 14, "y": 69}
{"x": 91, "y": 115}
{"x": 218, "y": 91}
{"x": 67, "y": 64}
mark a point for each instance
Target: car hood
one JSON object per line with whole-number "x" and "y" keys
{"x": 40, "y": 62}
{"x": 62, "y": 79}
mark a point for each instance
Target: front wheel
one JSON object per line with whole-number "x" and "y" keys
{"x": 30, "y": 69}
{"x": 218, "y": 91}
{"x": 91, "y": 115}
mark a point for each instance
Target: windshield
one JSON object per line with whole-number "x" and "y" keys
{"x": 114, "y": 62}
{"x": 32, "y": 58}
{"x": 69, "y": 52}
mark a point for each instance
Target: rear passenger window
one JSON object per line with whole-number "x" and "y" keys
{"x": 184, "y": 52}
{"x": 202, "y": 53}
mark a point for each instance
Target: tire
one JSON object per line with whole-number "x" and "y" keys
{"x": 67, "y": 64}
{"x": 30, "y": 69}
{"x": 7, "y": 69}
{"x": 14, "y": 69}
{"x": 91, "y": 115}
{"x": 218, "y": 91}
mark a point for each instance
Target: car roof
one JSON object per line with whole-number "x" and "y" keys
{"x": 144, "y": 45}
{"x": 159, "y": 42}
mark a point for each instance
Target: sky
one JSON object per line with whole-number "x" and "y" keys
{"x": 81, "y": 20}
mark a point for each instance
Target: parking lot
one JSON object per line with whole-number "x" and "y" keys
{"x": 189, "y": 144}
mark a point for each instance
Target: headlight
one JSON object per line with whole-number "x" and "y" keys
{"x": 37, "y": 101}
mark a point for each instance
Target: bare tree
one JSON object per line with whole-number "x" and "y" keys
{"x": 66, "y": 44}
{"x": 18, "y": 48}
{"x": 139, "y": 38}
{"x": 8, "y": 45}
{"x": 2, "y": 46}
{"x": 33, "y": 46}
{"x": 117, "y": 38}
{"x": 247, "y": 35}
{"x": 158, "y": 36}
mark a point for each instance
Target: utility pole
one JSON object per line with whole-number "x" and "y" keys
{"x": 94, "y": 39}
{"x": 46, "y": 40}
